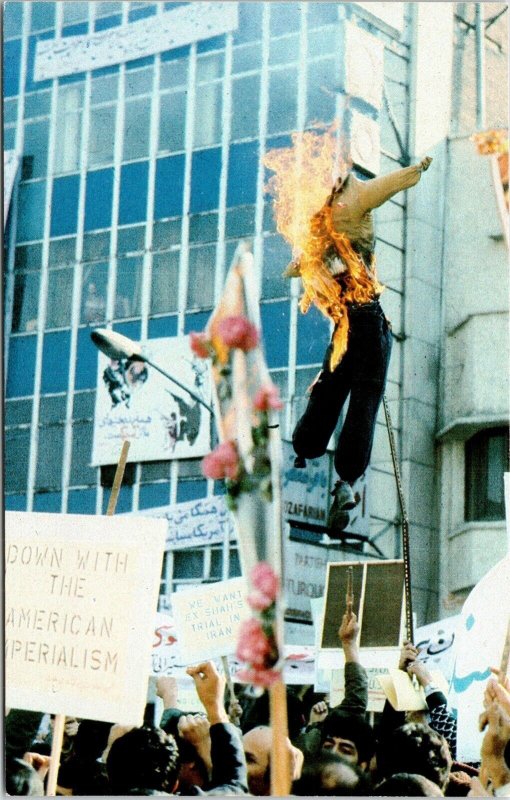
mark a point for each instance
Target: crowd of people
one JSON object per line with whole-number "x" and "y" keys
{"x": 226, "y": 750}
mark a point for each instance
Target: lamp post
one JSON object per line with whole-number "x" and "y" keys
{"x": 116, "y": 346}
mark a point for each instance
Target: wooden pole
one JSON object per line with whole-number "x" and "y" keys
{"x": 280, "y": 761}
{"x": 230, "y": 683}
{"x": 505, "y": 657}
{"x": 117, "y": 481}
{"x": 56, "y": 750}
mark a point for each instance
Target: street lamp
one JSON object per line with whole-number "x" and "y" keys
{"x": 116, "y": 346}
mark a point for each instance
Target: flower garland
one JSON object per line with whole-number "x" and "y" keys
{"x": 257, "y": 645}
{"x": 224, "y": 462}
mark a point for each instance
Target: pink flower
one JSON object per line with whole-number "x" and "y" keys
{"x": 267, "y": 397}
{"x": 200, "y": 344}
{"x": 223, "y": 462}
{"x": 238, "y": 332}
{"x": 264, "y": 578}
{"x": 259, "y": 601}
{"x": 253, "y": 646}
{"x": 259, "y": 677}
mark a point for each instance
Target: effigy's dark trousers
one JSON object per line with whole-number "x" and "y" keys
{"x": 362, "y": 372}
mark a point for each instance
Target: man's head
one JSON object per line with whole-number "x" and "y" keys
{"x": 257, "y": 749}
{"x": 349, "y": 736}
{"x": 417, "y": 749}
{"x": 143, "y": 758}
{"x": 405, "y": 784}
{"x": 329, "y": 774}
{"x": 22, "y": 779}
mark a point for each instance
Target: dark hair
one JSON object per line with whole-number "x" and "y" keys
{"x": 144, "y": 757}
{"x": 330, "y": 774}
{"x": 417, "y": 749}
{"x": 407, "y": 784}
{"x": 352, "y": 727}
{"x": 22, "y": 779}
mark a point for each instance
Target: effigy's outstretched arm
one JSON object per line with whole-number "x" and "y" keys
{"x": 373, "y": 193}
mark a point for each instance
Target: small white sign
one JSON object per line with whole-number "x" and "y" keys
{"x": 176, "y": 28}
{"x": 364, "y": 65}
{"x": 208, "y": 619}
{"x": 195, "y": 523}
{"x": 137, "y": 403}
{"x": 80, "y": 596}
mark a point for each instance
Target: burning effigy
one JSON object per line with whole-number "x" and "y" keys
{"x": 325, "y": 213}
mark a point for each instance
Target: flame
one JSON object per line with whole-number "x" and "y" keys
{"x": 304, "y": 175}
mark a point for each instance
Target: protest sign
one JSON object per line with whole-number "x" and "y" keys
{"x": 136, "y": 403}
{"x": 479, "y": 645}
{"x": 378, "y": 604}
{"x": 80, "y": 594}
{"x": 403, "y": 694}
{"x": 208, "y": 619}
{"x": 436, "y": 645}
{"x": 195, "y": 523}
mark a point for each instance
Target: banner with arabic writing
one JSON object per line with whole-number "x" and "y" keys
{"x": 135, "y": 402}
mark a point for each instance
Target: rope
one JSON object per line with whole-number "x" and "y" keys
{"x": 405, "y": 525}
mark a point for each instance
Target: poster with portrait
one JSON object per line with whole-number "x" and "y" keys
{"x": 136, "y": 402}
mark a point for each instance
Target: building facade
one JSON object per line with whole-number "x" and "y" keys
{"x": 138, "y": 130}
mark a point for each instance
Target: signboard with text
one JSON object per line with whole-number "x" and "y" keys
{"x": 208, "y": 618}
{"x": 137, "y": 403}
{"x": 80, "y": 596}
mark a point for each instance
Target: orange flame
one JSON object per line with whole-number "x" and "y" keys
{"x": 304, "y": 174}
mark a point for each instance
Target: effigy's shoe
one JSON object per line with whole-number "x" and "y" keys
{"x": 300, "y": 462}
{"x": 344, "y": 499}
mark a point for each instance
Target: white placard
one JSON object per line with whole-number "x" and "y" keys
{"x": 436, "y": 643}
{"x": 137, "y": 403}
{"x": 80, "y": 595}
{"x": 479, "y": 645}
{"x": 175, "y": 28}
{"x": 208, "y": 619}
{"x": 364, "y": 65}
{"x": 195, "y": 523}
{"x": 11, "y": 163}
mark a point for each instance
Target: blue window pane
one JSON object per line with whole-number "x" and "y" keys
{"x": 64, "y": 205}
{"x": 205, "y": 180}
{"x": 196, "y": 322}
{"x": 107, "y": 22}
{"x": 140, "y": 13}
{"x": 250, "y": 23}
{"x": 163, "y": 326}
{"x": 12, "y": 54}
{"x": 216, "y": 43}
{"x": 15, "y": 502}
{"x": 55, "y": 364}
{"x": 76, "y": 78}
{"x": 169, "y": 186}
{"x": 191, "y": 490}
{"x": 154, "y": 495}
{"x": 124, "y": 502}
{"x": 275, "y": 331}
{"x": 86, "y": 361}
{"x": 48, "y": 501}
{"x": 30, "y": 83}
{"x": 20, "y": 376}
{"x": 98, "y": 199}
{"x": 312, "y": 337}
{"x": 81, "y": 501}
{"x": 140, "y": 62}
{"x": 132, "y": 330}
{"x": 242, "y": 174}
{"x": 112, "y": 70}
{"x": 31, "y": 204}
{"x": 133, "y": 192}
{"x": 43, "y": 16}
{"x": 173, "y": 55}
{"x": 75, "y": 30}
{"x": 13, "y": 19}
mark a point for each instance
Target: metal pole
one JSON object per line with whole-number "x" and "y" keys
{"x": 480, "y": 67}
